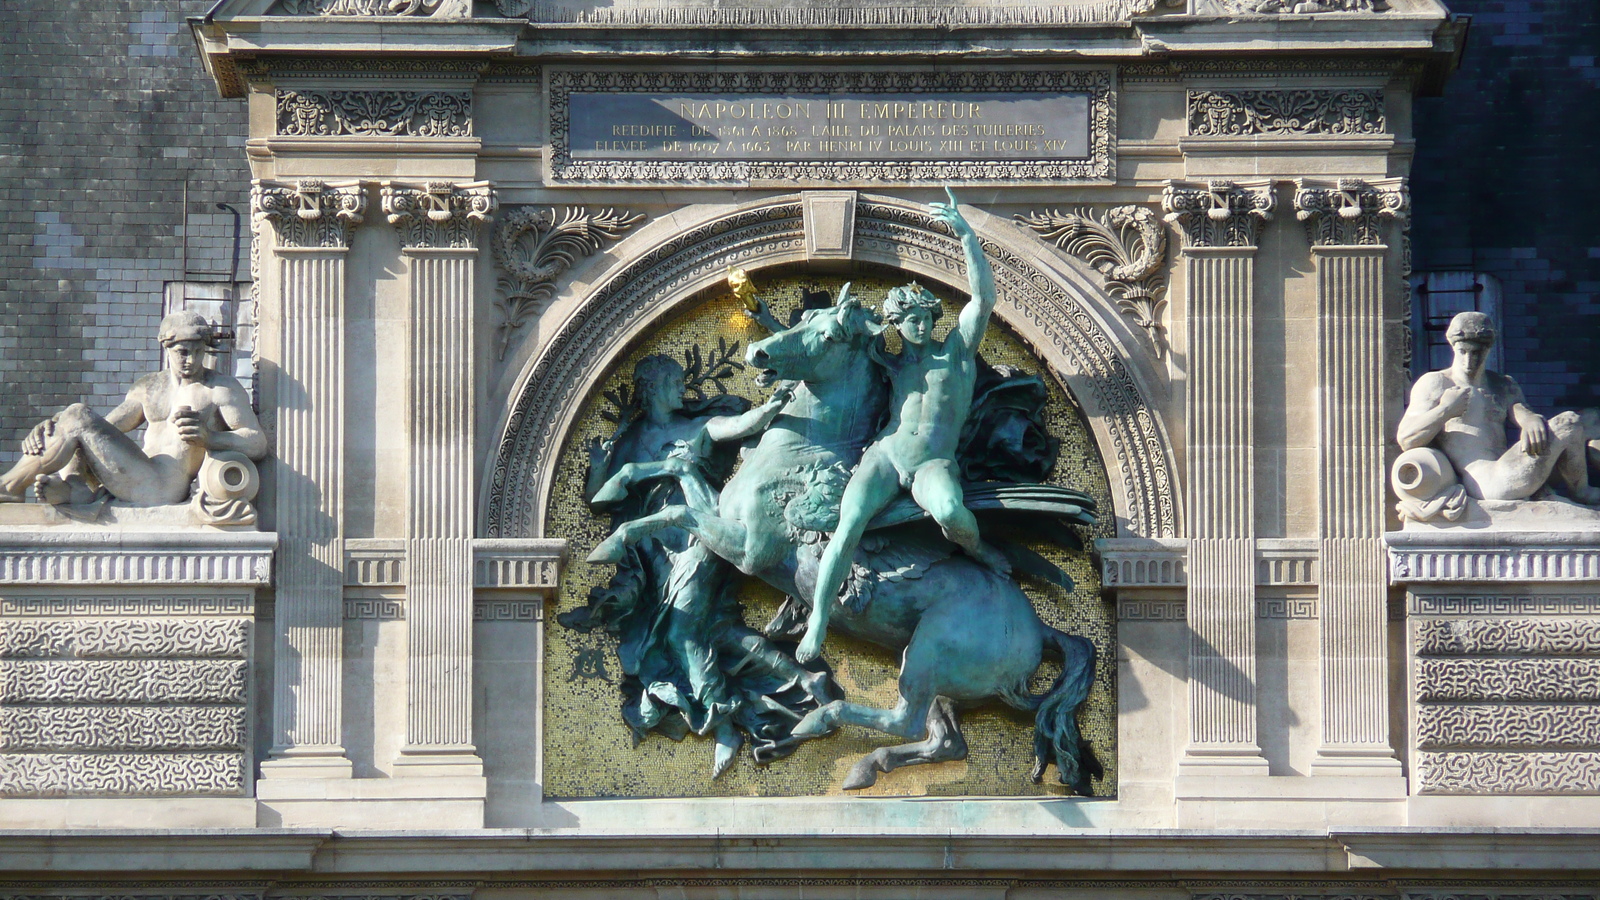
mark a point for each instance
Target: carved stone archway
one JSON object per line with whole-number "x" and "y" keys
{"x": 1074, "y": 328}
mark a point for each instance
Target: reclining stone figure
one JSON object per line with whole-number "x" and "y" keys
{"x": 1462, "y": 413}
{"x": 189, "y": 411}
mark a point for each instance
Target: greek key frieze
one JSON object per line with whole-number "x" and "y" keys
{"x": 1545, "y": 726}
{"x": 1526, "y": 637}
{"x": 1287, "y": 608}
{"x": 122, "y": 728}
{"x": 120, "y": 774}
{"x": 59, "y": 638}
{"x": 384, "y": 609}
{"x": 508, "y": 611}
{"x": 1508, "y": 679}
{"x": 1152, "y": 611}
{"x": 122, "y": 681}
{"x": 1467, "y": 772}
{"x": 1349, "y": 112}
{"x": 70, "y": 607}
{"x": 1548, "y": 604}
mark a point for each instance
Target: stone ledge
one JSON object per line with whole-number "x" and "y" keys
{"x": 1492, "y": 556}
{"x": 943, "y": 854}
{"x": 1163, "y": 562}
{"x": 136, "y": 558}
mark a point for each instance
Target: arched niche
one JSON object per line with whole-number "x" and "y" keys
{"x": 1067, "y": 320}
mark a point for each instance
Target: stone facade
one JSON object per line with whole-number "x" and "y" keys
{"x": 422, "y": 667}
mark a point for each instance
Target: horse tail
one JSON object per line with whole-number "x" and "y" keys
{"x": 1055, "y": 724}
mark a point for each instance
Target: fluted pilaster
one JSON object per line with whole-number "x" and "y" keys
{"x": 311, "y": 222}
{"x": 1221, "y": 222}
{"x": 1344, "y": 220}
{"x": 440, "y": 224}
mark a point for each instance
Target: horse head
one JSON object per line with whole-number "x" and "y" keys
{"x": 825, "y": 345}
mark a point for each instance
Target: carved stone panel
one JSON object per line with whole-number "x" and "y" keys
{"x": 125, "y": 695}
{"x": 1506, "y": 696}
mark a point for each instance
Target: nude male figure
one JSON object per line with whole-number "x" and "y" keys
{"x": 1464, "y": 411}
{"x": 187, "y": 408}
{"x": 932, "y": 394}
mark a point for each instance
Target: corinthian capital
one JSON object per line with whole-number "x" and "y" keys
{"x": 1349, "y": 211}
{"x": 1219, "y": 213}
{"x": 438, "y": 213}
{"x": 309, "y": 213}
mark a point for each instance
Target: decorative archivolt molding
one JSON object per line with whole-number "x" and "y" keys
{"x": 1128, "y": 247}
{"x": 534, "y": 245}
{"x": 1350, "y": 211}
{"x": 1296, "y": 112}
{"x": 428, "y": 114}
{"x": 1127, "y": 425}
{"x": 1219, "y": 213}
{"x": 438, "y": 214}
{"x": 309, "y": 213}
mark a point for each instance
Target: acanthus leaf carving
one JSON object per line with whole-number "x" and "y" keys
{"x": 535, "y": 244}
{"x": 1127, "y": 246}
{"x": 309, "y": 213}
{"x": 1219, "y": 213}
{"x": 432, "y": 114}
{"x": 438, "y": 214}
{"x": 1350, "y": 211}
{"x": 1345, "y": 112}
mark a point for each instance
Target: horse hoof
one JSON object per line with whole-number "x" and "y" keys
{"x": 862, "y": 775}
{"x": 611, "y": 492}
{"x": 811, "y": 726}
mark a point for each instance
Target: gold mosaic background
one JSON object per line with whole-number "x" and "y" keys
{"x": 587, "y": 750}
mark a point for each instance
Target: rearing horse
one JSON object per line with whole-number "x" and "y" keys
{"x": 967, "y": 635}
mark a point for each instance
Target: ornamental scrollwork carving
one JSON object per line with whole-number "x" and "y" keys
{"x": 535, "y": 244}
{"x": 309, "y": 213}
{"x": 1350, "y": 211}
{"x": 1127, "y": 246}
{"x": 430, "y": 114}
{"x": 1293, "y": 7}
{"x": 1307, "y": 111}
{"x": 438, "y": 213}
{"x": 360, "y": 7}
{"x": 1219, "y": 213}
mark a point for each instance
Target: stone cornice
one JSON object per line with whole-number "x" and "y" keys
{"x": 143, "y": 558}
{"x": 1492, "y": 557}
{"x": 600, "y": 858}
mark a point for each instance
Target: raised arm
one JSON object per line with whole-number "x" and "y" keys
{"x": 974, "y": 318}
{"x": 1434, "y": 401}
